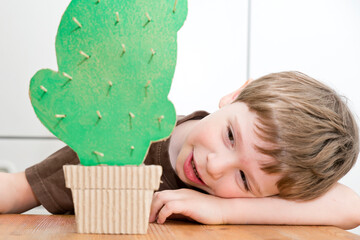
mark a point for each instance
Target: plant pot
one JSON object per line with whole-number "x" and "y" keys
{"x": 112, "y": 199}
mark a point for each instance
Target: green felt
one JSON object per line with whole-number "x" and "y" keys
{"x": 101, "y": 36}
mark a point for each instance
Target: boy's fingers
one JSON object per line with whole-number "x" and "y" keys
{"x": 166, "y": 202}
{"x": 173, "y": 207}
{"x": 156, "y": 205}
{"x": 152, "y": 217}
{"x": 160, "y": 199}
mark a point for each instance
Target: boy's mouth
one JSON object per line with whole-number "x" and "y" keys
{"x": 191, "y": 171}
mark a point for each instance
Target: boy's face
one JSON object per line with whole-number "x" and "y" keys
{"x": 221, "y": 149}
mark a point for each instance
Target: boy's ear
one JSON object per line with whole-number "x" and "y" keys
{"x": 229, "y": 98}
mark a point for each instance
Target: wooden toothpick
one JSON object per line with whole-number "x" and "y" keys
{"x": 98, "y": 153}
{"x": 123, "y": 47}
{"x": 132, "y": 147}
{"x": 117, "y": 17}
{"x": 43, "y": 88}
{"x": 77, "y": 22}
{"x": 84, "y": 54}
{"x": 146, "y": 88}
{"x": 160, "y": 118}
{"x": 67, "y": 76}
{"x": 110, "y": 86}
{"x": 99, "y": 114}
{"x": 60, "y": 115}
{"x": 152, "y": 51}
{"x": 174, "y": 9}
{"x": 131, "y": 116}
{"x": 148, "y": 17}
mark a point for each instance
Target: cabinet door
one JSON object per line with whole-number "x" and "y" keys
{"x": 19, "y": 154}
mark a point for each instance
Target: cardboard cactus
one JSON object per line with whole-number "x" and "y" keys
{"x": 116, "y": 60}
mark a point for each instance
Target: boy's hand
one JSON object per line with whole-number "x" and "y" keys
{"x": 338, "y": 207}
{"x": 198, "y": 206}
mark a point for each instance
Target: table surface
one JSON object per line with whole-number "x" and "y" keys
{"x": 55, "y": 227}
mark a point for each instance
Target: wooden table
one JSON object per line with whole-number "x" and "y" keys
{"x": 54, "y": 227}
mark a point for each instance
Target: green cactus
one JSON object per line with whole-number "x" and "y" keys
{"x": 116, "y": 61}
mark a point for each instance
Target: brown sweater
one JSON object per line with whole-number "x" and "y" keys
{"x": 47, "y": 177}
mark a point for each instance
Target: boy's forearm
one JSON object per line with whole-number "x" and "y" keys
{"x": 16, "y": 193}
{"x": 27, "y": 199}
{"x": 339, "y": 207}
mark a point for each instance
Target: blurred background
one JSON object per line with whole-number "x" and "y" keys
{"x": 221, "y": 44}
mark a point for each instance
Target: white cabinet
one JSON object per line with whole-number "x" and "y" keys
{"x": 17, "y": 155}
{"x": 27, "y": 44}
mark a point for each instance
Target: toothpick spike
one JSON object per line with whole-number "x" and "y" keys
{"x": 60, "y": 115}
{"x": 148, "y": 17}
{"x": 67, "y": 76}
{"x": 132, "y": 147}
{"x": 99, "y": 114}
{"x": 123, "y": 47}
{"x": 43, "y": 88}
{"x": 131, "y": 115}
{"x": 147, "y": 84}
{"x": 98, "y": 153}
{"x": 152, "y": 51}
{"x": 77, "y": 22}
{"x": 174, "y": 9}
{"x": 84, "y": 54}
{"x": 160, "y": 118}
{"x": 110, "y": 83}
{"x": 117, "y": 17}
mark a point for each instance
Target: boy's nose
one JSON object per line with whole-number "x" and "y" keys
{"x": 216, "y": 166}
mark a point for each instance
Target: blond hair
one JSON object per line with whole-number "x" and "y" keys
{"x": 314, "y": 136}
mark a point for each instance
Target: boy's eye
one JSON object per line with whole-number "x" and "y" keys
{"x": 230, "y": 136}
{"x": 243, "y": 177}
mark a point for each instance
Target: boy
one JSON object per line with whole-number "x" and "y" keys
{"x": 272, "y": 154}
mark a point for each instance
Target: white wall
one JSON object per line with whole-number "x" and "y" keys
{"x": 320, "y": 38}
{"x": 212, "y": 49}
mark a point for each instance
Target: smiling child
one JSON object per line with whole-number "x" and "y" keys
{"x": 272, "y": 154}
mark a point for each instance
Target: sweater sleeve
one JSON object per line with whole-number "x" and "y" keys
{"x": 48, "y": 183}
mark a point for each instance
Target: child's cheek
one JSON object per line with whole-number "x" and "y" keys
{"x": 205, "y": 134}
